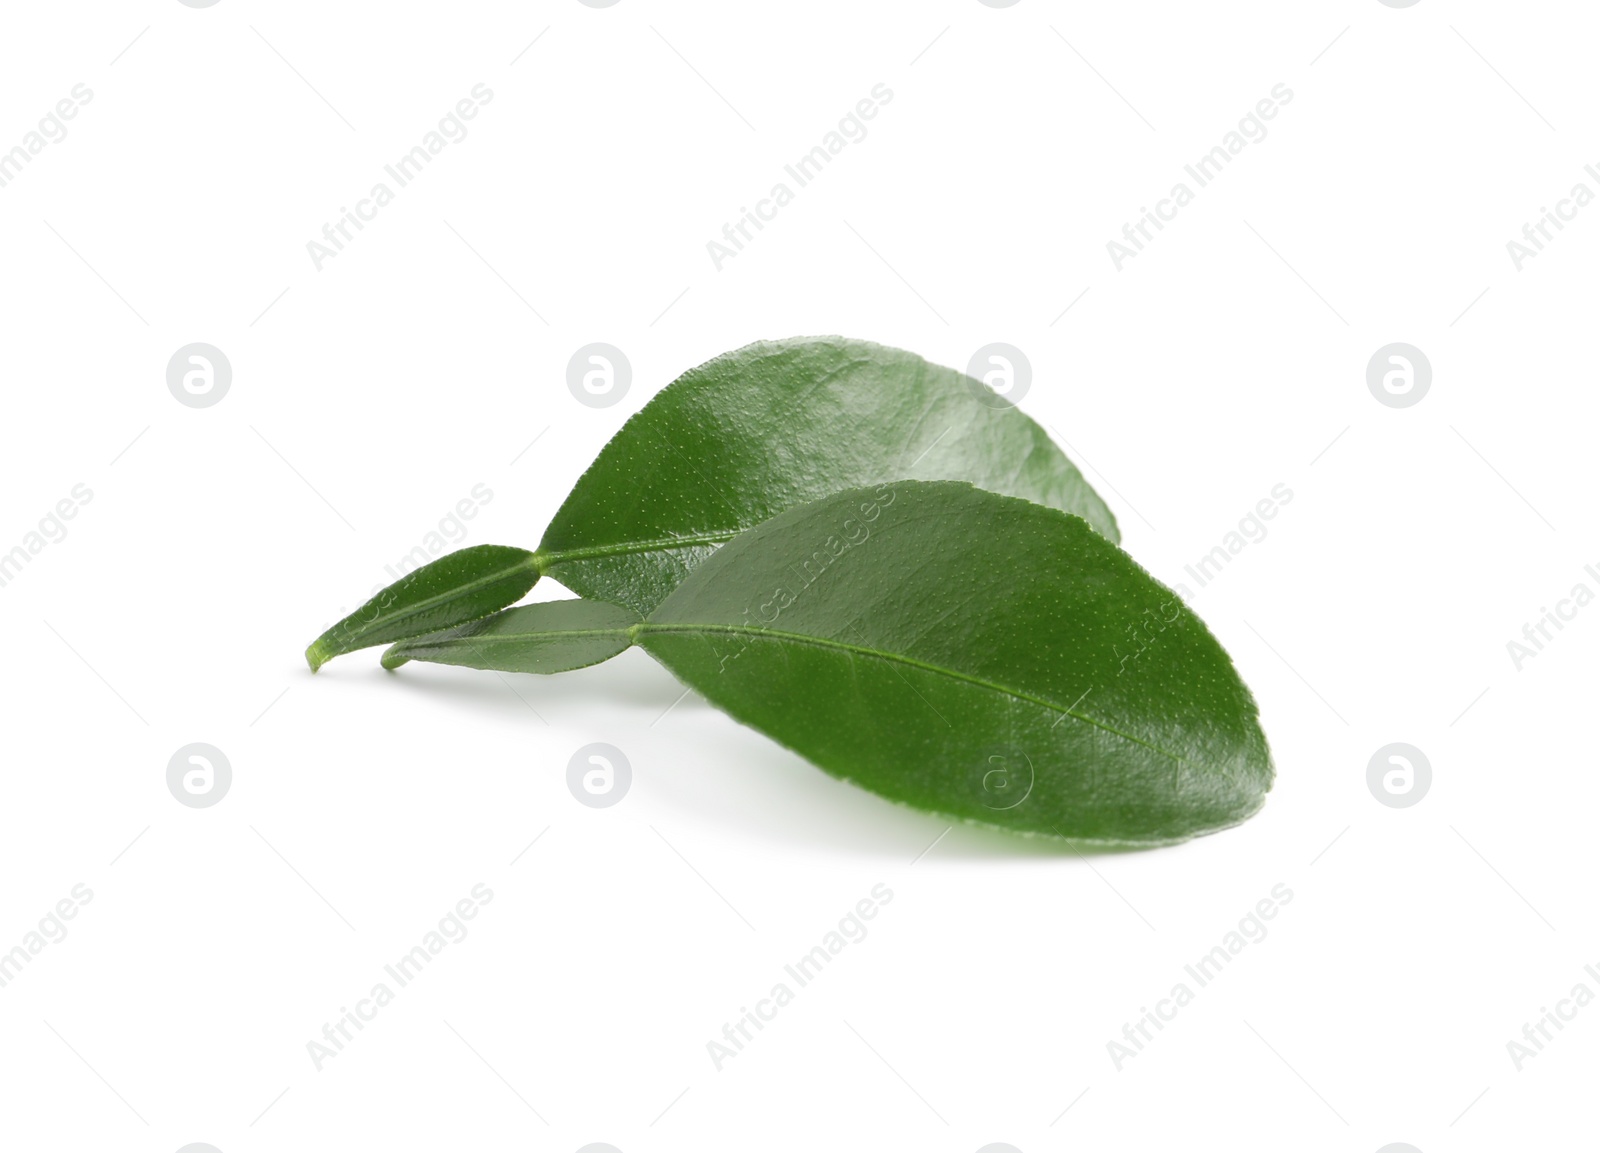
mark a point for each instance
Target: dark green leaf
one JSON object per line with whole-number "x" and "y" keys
{"x": 975, "y": 655}
{"x": 456, "y": 588}
{"x": 550, "y": 637}
{"x": 743, "y": 437}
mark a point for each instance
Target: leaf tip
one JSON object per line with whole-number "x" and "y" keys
{"x": 319, "y": 653}
{"x": 393, "y": 658}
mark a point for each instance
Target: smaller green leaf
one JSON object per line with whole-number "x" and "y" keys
{"x": 454, "y": 589}
{"x": 551, "y": 637}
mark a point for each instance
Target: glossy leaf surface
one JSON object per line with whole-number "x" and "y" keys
{"x": 979, "y": 656}
{"x": 741, "y": 438}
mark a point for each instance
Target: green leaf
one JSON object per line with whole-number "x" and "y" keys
{"x": 550, "y": 637}
{"x": 971, "y": 654}
{"x": 459, "y": 587}
{"x": 741, "y": 438}
{"x": 975, "y": 655}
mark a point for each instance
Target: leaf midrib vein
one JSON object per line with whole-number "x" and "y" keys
{"x": 551, "y": 557}
{"x": 476, "y": 640}
{"x": 897, "y": 658}
{"x": 457, "y": 592}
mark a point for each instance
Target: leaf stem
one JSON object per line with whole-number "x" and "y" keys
{"x": 547, "y": 558}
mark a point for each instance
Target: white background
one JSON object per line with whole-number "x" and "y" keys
{"x": 369, "y": 397}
